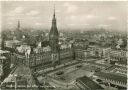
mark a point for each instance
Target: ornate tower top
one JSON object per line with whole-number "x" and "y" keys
{"x": 54, "y": 31}
{"x": 54, "y": 35}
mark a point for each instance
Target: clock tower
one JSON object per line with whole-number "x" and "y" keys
{"x": 53, "y": 40}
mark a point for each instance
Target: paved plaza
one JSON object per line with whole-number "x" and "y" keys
{"x": 67, "y": 79}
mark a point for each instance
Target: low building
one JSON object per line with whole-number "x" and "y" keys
{"x": 81, "y": 54}
{"x": 5, "y": 63}
{"x": 2, "y": 59}
{"x": 85, "y": 83}
{"x": 12, "y": 43}
{"x": 112, "y": 78}
{"x": 23, "y": 48}
{"x": 47, "y": 49}
{"x": 119, "y": 57}
{"x": 66, "y": 54}
{"x": 39, "y": 59}
{"x": 20, "y": 78}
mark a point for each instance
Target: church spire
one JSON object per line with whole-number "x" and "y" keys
{"x": 54, "y": 34}
{"x": 54, "y": 30}
{"x": 54, "y": 16}
{"x": 18, "y": 27}
{"x": 18, "y": 31}
{"x": 53, "y": 41}
{"x": 54, "y": 11}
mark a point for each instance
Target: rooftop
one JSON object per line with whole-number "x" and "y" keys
{"x": 2, "y": 57}
{"x": 89, "y": 83}
{"x": 112, "y": 76}
{"x": 3, "y": 51}
{"x": 22, "y": 73}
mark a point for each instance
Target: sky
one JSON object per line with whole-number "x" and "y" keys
{"x": 69, "y": 14}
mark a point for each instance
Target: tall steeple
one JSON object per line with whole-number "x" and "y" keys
{"x": 54, "y": 31}
{"x": 54, "y": 34}
{"x": 18, "y": 31}
{"x": 18, "y": 26}
{"x": 54, "y": 39}
{"x": 54, "y": 12}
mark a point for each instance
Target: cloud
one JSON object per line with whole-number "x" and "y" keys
{"x": 90, "y": 16}
{"x": 86, "y": 24}
{"x": 66, "y": 4}
{"x": 70, "y": 7}
{"x": 71, "y": 24}
{"x": 32, "y": 13}
{"x": 103, "y": 25}
{"x": 111, "y": 18}
{"x": 17, "y": 10}
{"x": 57, "y": 11}
{"x": 73, "y": 17}
{"x": 38, "y": 24}
{"x": 10, "y": 23}
{"x": 75, "y": 24}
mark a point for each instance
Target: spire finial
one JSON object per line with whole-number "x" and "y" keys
{"x": 18, "y": 23}
{"x": 54, "y": 9}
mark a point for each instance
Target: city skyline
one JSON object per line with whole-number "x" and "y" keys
{"x": 63, "y": 45}
{"x": 70, "y": 15}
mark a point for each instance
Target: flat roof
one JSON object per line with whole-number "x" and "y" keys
{"x": 4, "y": 51}
{"x": 98, "y": 64}
{"x": 112, "y": 76}
{"x": 90, "y": 83}
{"x": 13, "y": 41}
{"x": 2, "y": 57}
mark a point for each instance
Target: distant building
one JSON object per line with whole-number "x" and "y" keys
{"x": 81, "y": 54}
{"x": 12, "y": 43}
{"x": 18, "y": 32}
{"x": 23, "y": 48}
{"x": 47, "y": 49}
{"x": 119, "y": 57}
